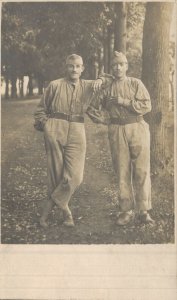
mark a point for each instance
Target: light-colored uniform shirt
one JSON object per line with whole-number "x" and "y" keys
{"x": 135, "y": 98}
{"x": 65, "y": 97}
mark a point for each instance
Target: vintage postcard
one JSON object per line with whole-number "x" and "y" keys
{"x": 88, "y": 150}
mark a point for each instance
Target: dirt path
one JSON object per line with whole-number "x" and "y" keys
{"x": 94, "y": 205}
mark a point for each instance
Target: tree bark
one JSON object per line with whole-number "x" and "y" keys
{"x": 155, "y": 72}
{"x": 30, "y": 86}
{"x": 110, "y": 47}
{"x": 106, "y": 61}
{"x": 40, "y": 85}
{"x": 7, "y": 87}
{"x": 94, "y": 69}
{"x": 22, "y": 87}
{"x": 100, "y": 61}
{"x": 120, "y": 29}
{"x": 13, "y": 87}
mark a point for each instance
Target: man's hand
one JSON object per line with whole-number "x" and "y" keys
{"x": 122, "y": 101}
{"x": 97, "y": 84}
{"x": 109, "y": 101}
{"x": 116, "y": 100}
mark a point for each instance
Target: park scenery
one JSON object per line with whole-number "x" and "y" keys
{"x": 36, "y": 37}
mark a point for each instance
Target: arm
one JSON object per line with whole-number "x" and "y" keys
{"x": 42, "y": 111}
{"x": 106, "y": 79}
{"x": 140, "y": 102}
{"x": 102, "y": 81}
{"x": 96, "y": 111}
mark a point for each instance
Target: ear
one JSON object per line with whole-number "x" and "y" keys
{"x": 83, "y": 68}
{"x": 126, "y": 66}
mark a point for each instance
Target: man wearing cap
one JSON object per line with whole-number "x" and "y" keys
{"x": 60, "y": 114}
{"x": 126, "y": 100}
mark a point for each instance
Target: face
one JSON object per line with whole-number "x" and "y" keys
{"x": 119, "y": 69}
{"x": 74, "y": 69}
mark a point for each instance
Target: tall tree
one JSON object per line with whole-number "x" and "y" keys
{"x": 10, "y": 48}
{"x": 155, "y": 71}
{"x": 120, "y": 26}
{"x": 19, "y": 52}
{"x": 40, "y": 35}
{"x": 110, "y": 46}
{"x": 105, "y": 50}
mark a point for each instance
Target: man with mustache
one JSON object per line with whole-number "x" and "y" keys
{"x": 126, "y": 100}
{"x": 60, "y": 114}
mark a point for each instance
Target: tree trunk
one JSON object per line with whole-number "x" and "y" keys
{"x": 120, "y": 29}
{"x": 14, "y": 87}
{"x": 106, "y": 61}
{"x": 94, "y": 69}
{"x": 30, "y": 86}
{"x": 155, "y": 72}
{"x": 22, "y": 87}
{"x": 40, "y": 85}
{"x": 7, "y": 87}
{"x": 100, "y": 61}
{"x": 110, "y": 47}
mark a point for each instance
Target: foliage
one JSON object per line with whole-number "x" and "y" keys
{"x": 36, "y": 37}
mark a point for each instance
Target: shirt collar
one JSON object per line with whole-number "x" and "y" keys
{"x": 119, "y": 80}
{"x": 74, "y": 84}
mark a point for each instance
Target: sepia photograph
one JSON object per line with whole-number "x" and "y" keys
{"x": 88, "y": 150}
{"x": 88, "y": 123}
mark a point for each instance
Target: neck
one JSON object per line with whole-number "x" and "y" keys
{"x": 73, "y": 80}
{"x": 121, "y": 78}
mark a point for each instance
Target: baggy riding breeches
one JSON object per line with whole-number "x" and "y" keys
{"x": 65, "y": 145}
{"x": 130, "y": 150}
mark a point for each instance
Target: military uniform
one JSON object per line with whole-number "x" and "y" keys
{"x": 60, "y": 114}
{"x": 126, "y": 101}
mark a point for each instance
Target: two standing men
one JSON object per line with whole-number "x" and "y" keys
{"x": 61, "y": 115}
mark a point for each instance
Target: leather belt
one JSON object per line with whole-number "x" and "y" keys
{"x": 69, "y": 118}
{"x": 127, "y": 120}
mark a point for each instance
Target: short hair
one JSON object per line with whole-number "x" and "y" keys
{"x": 74, "y": 57}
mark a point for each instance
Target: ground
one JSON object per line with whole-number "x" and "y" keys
{"x": 94, "y": 204}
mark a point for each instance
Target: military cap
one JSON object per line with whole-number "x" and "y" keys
{"x": 118, "y": 57}
{"x": 74, "y": 57}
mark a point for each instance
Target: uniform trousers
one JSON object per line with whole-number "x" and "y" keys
{"x": 130, "y": 150}
{"x": 65, "y": 144}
